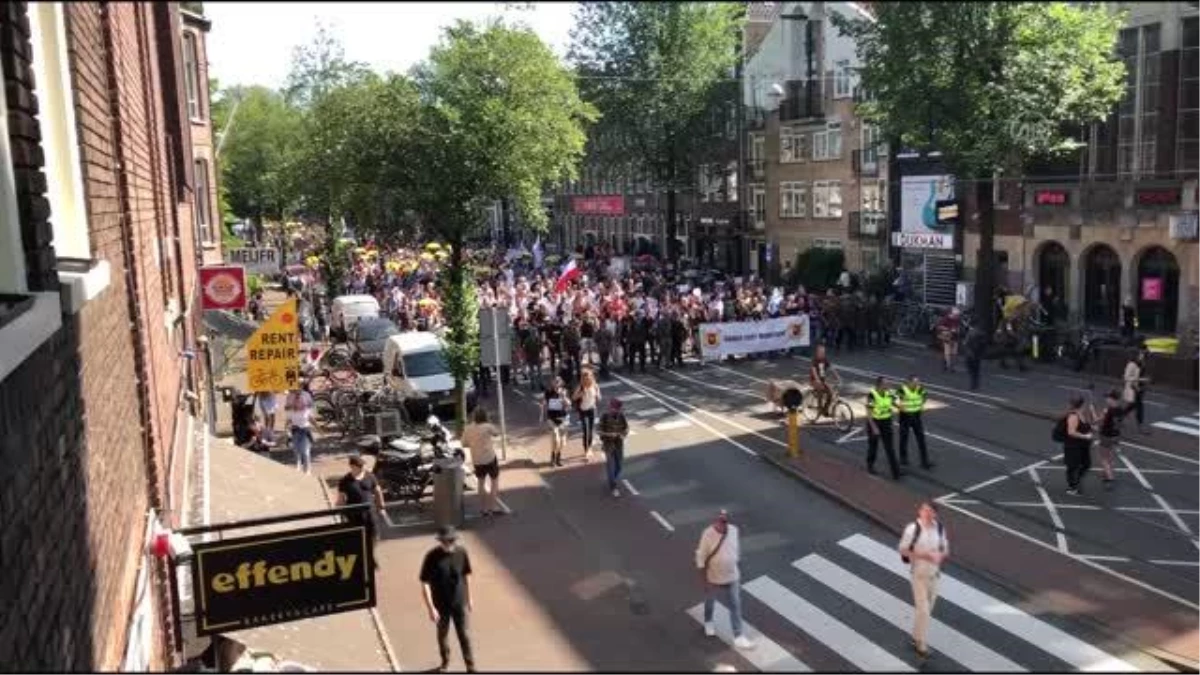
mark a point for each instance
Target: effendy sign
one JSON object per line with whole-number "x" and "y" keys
{"x": 282, "y": 576}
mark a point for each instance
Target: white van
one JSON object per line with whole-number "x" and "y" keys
{"x": 347, "y": 310}
{"x": 414, "y": 364}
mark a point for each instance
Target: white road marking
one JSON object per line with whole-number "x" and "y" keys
{"x": 671, "y": 425}
{"x": 967, "y": 446}
{"x": 651, "y": 412}
{"x": 1009, "y": 377}
{"x": 985, "y": 483}
{"x": 1049, "y": 504}
{"x": 1191, "y": 431}
{"x": 898, "y": 357}
{"x": 1183, "y": 527}
{"x": 1146, "y": 509}
{"x": 851, "y": 435}
{"x": 662, "y": 521}
{"x": 1062, "y": 645}
{"x": 631, "y": 397}
{"x": 1105, "y": 558}
{"x": 1181, "y": 563}
{"x": 718, "y": 434}
{"x": 1154, "y": 404}
{"x": 943, "y": 638}
{"x": 1161, "y": 453}
{"x": 1042, "y": 505}
{"x": 629, "y": 486}
{"x": 767, "y": 655}
{"x": 1082, "y": 559}
{"x": 842, "y": 639}
{"x": 501, "y": 504}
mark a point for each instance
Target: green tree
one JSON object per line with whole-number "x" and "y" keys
{"x": 651, "y": 69}
{"x": 320, "y": 67}
{"x": 989, "y": 84}
{"x": 258, "y": 153}
{"x": 500, "y": 117}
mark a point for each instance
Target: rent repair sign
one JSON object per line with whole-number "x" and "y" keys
{"x": 273, "y": 352}
{"x": 282, "y": 576}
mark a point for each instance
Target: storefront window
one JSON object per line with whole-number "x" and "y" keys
{"x": 1053, "y": 263}
{"x": 1157, "y": 291}
{"x": 1102, "y": 284}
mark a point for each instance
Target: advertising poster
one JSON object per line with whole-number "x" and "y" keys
{"x": 718, "y": 340}
{"x": 222, "y": 287}
{"x": 273, "y": 352}
{"x": 1152, "y": 289}
{"x": 920, "y": 226}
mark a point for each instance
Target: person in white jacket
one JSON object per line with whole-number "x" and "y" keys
{"x": 717, "y": 559}
{"x": 924, "y": 546}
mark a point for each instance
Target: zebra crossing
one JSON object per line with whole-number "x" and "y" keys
{"x": 831, "y": 574}
{"x": 1184, "y": 424}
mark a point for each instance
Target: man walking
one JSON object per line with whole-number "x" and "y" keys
{"x": 613, "y": 429}
{"x": 881, "y": 404}
{"x": 924, "y": 546}
{"x": 360, "y": 487}
{"x": 447, "y": 594}
{"x": 912, "y": 403}
{"x": 717, "y": 558}
{"x": 1135, "y": 387}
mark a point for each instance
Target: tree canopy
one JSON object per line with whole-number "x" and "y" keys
{"x": 257, "y": 157}
{"x": 651, "y": 69}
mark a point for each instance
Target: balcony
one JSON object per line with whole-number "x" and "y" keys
{"x": 805, "y": 100}
{"x": 865, "y": 169}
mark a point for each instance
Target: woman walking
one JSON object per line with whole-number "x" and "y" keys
{"x": 480, "y": 438}
{"x": 1109, "y": 427}
{"x": 554, "y": 409}
{"x": 586, "y": 398}
{"x": 1077, "y": 445}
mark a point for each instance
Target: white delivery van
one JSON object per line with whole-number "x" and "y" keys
{"x": 346, "y": 310}
{"x": 414, "y": 364}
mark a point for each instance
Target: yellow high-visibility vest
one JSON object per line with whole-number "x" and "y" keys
{"x": 912, "y": 400}
{"x": 881, "y": 405}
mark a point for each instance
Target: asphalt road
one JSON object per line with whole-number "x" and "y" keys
{"x": 823, "y": 589}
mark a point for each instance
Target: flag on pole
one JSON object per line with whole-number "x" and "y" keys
{"x": 570, "y": 271}
{"x": 539, "y": 253}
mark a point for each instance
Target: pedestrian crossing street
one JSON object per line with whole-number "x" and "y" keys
{"x": 891, "y": 616}
{"x": 1185, "y": 424}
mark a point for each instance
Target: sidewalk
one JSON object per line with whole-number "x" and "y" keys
{"x": 245, "y": 485}
{"x": 1052, "y": 583}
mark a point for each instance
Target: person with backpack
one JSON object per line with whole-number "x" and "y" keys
{"x": 1075, "y": 434}
{"x": 924, "y": 547}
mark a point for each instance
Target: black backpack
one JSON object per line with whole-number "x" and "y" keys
{"x": 917, "y": 535}
{"x": 1059, "y": 433}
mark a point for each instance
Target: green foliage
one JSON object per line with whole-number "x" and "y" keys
{"x": 460, "y": 308}
{"x": 652, "y": 70}
{"x": 229, "y": 239}
{"x": 990, "y": 84}
{"x": 319, "y": 68}
{"x": 254, "y": 283}
{"x": 335, "y": 265}
{"x": 258, "y": 155}
{"x": 817, "y": 269}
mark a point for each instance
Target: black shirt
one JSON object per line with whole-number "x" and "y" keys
{"x": 358, "y": 491}
{"x": 446, "y": 573}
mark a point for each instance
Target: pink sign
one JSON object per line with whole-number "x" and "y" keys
{"x": 1152, "y": 289}
{"x": 607, "y": 205}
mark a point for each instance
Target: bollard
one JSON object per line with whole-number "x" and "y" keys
{"x": 792, "y": 399}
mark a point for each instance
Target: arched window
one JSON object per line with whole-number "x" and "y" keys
{"x": 1102, "y": 286}
{"x": 1157, "y": 291}
{"x": 1053, "y": 263}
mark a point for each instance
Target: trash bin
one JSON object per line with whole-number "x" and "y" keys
{"x": 448, "y": 477}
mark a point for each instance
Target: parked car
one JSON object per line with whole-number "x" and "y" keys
{"x": 414, "y": 363}
{"x": 347, "y": 310}
{"x": 367, "y": 339}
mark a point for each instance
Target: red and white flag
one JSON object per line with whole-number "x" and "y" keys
{"x": 570, "y": 272}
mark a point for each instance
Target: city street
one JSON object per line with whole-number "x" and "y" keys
{"x": 823, "y": 586}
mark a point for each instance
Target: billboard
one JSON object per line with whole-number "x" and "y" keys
{"x": 282, "y": 576}
{"x": 273, "y": 352}
{"x": 608, "y": 205}
{"x": 920, "y": 226}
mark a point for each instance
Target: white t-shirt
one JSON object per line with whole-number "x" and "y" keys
{"x": 267, "y": 402}
{"x": 723, "y": 567}
{"x": 588, "y": 396}
{"x": 301, "y": 405}
{"x": 480, "y": 440}
{"x": 932, "y": 540}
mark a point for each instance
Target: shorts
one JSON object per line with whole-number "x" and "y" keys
{"x": 491, "y": 469}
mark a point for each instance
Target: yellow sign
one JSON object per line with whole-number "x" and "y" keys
{"x": 273, "y": 352}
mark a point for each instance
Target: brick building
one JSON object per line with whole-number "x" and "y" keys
{"x": 204, "y": 164}
{"x": 97, "y": 316}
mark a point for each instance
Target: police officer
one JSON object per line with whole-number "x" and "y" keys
{"x": 881, "y": 405}
{"x": 911, "y": 396}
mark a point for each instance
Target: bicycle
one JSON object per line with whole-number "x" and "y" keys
{"x": 843, "y": 415}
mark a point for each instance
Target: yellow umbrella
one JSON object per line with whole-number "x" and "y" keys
{"x": 312, "y": 261}
{"x": 441, "y": 255}
{"x": 425, "y": 302}
{"x": 432, "y": 246}
{"x": 428, "y": 257}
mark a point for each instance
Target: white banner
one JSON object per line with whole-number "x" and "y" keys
{"x": 255, "y": 260}
{"x": 922, "y": 240}
{"x": 749, "y": 337}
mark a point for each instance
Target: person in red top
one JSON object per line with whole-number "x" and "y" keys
{"x": 947, "y": 333}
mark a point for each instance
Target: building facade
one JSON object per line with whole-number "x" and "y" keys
{"x": 98, "y": 319}
{"x": 816, "y": 174}
{"x": 204, "y": 160}
{"x": 1116, "y": 223}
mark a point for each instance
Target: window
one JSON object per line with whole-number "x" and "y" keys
{"x": 842, "y": 79}
{"x": 870, "y": 224}
{"x": 60, "y": 144}
{"x": 204, "y": 227}
{"x": 760, "y": 207}
{"x": 827, "y": 144}
{"x": 793, "y": 200}
{"x": 791, "y": 145}
{"x": 1137, "y": 116}
{"x": 873, "y": 195}
{"x": 731, "y": 182}
{"x": 835, "y": 244}
{"x": 827, "y": 199}
{"x": 191, "y": 74}
{"x": 870, "y": 148}
{"x": 1187, "y": 147}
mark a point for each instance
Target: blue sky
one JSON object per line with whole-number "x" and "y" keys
{"x": 252, "y": 42}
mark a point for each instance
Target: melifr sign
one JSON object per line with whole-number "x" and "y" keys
{"x": 273, "y": 352}
{"x": 282, "y": 576}
{"x": 257, "y": 260}
{"x": 749, "y": 337}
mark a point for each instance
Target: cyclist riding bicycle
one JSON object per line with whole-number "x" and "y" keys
{"x": 818, "y": 376}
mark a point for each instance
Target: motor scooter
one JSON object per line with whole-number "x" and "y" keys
{"x": 406, "y": 463}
